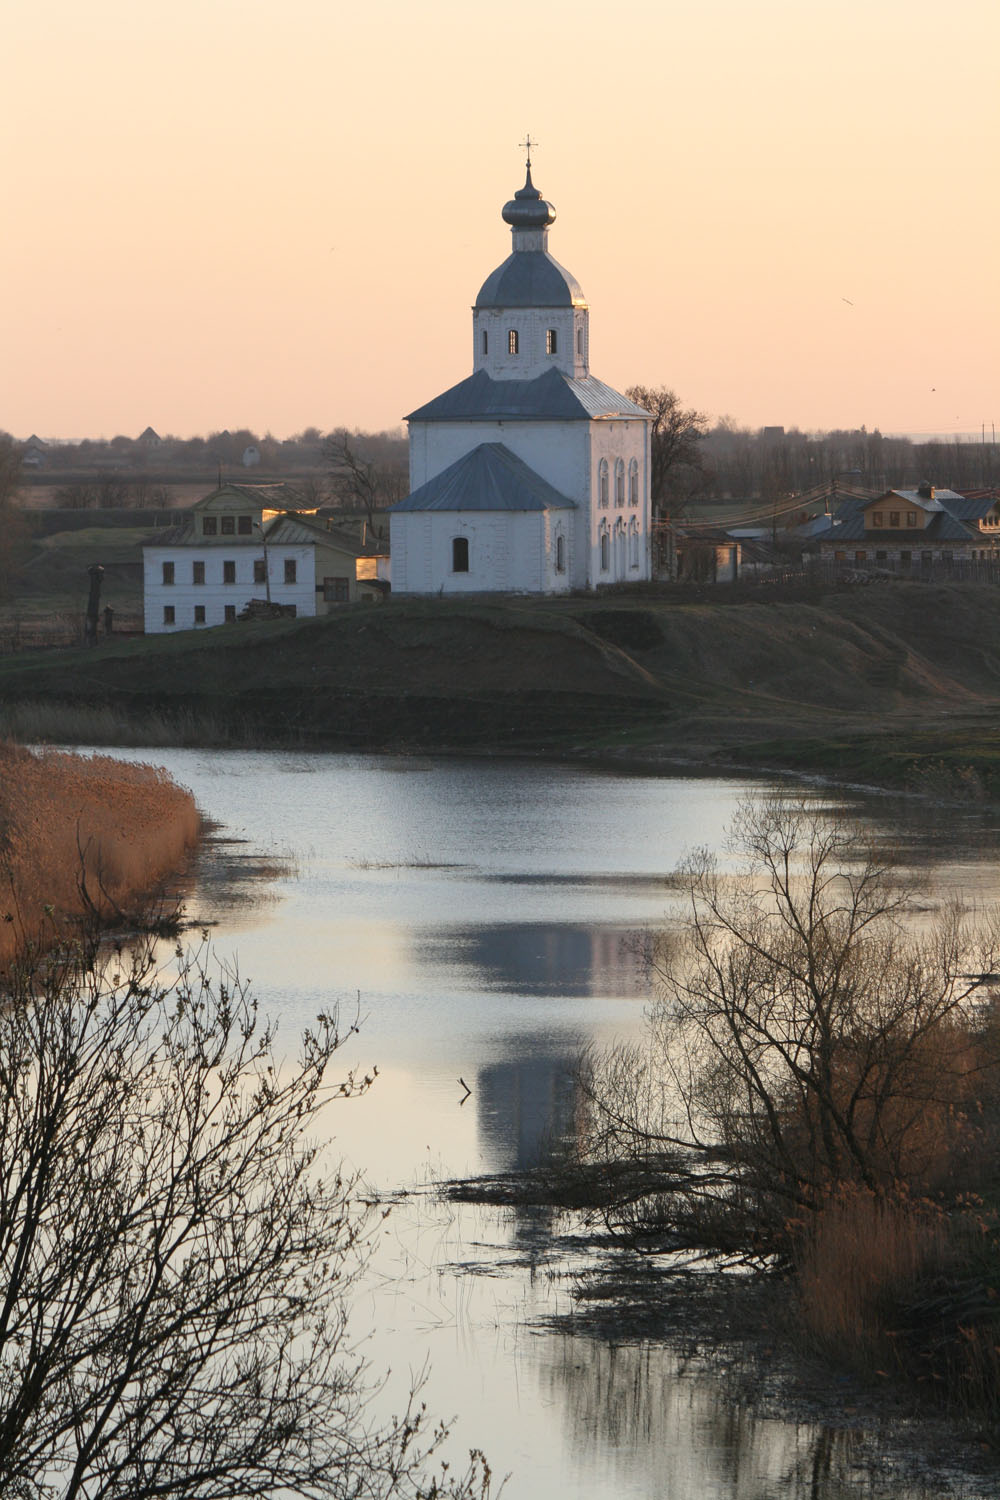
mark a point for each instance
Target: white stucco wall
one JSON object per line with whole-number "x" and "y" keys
{"x": 183, "y": 595}
{"x": 509, "y": 551}
{"x": 612, "y": 440}
{"x": 571, "y": 327}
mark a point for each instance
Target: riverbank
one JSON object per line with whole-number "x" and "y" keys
{"x": 896, "y": 685}
{"x": 84, "y": 840}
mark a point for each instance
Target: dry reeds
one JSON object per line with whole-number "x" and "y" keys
{"x": 83, "y": 837}
{"x": 887, "y": 1285}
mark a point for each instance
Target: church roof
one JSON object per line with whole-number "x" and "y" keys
{"x": 553, "y": 396}
{"x": 531, "y": 278}
{"x": 489, "y": 477}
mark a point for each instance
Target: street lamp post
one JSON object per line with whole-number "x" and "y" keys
{"x": 267, "y": 565}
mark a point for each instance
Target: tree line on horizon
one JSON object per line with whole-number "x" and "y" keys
{"x": 693, "y": 460}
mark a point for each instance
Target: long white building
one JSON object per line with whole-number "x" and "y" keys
{"x": 531, "y": 475}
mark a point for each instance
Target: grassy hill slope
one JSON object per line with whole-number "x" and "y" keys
{"x": 873, "y": 681}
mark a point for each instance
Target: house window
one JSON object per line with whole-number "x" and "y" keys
{"x": 336, "y": 590}
{"x": 878, "y": 519}
{"x": 633, "y": 483}
{"x": 512, "y": 341}
{"x": 894, "y": 518}
{"x": 229, "y": 572}
{"x": 905, "y": 558}
{"x": 603, "y": 481}
{"x": 881, "y": 556}
{"x": 946, "y": 557}
{"x": 460, "y": 554}
{"x": 291, "y": 567}
{"x": 244, "y": 525}
{"x": 209, "y": 526}
{"x": 199, "y": 614}
{"x": 926, "y": 558}
{"x": 259, "y": 570}
{"x": 550, "y": 341}
{"x": 911, "y": 519}
{"x": 861, "y": 557}
{"x": 168, "y": 614}
{"x": 230, "y": 613}
{"x": 560, "y": 553}
{"x": 197, "y": 572}
{"x": 228, "y": 525}
{"x": 620, "y": 482}
{"x": 840, "y": 557}
{"x": 168, "y": 573}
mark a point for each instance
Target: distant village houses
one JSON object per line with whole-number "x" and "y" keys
{"x": 243, "y": 550}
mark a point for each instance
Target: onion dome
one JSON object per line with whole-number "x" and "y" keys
{"x": 528, "y": 209}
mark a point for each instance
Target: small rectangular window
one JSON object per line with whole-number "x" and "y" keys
{"x": 199, "y": 614}
{"x": 911, "y": 519}
{"x": 486, "y": 342}
{"x": 512, "y": 341}
{"x": 229, "y": 572}
{"x": 881, "y": 556}
{"x": 230, "y": 613}
{"x": 336, "y": 590}
{"x": 460, "y": 554}
{"x": 259, "y": 571}
{"x": 290, "y": 569}
{"x": 878, "y": 520}
{"x": 228, "y": 525}
{"x": 894, "y": 518}
{"x": 244, "y": 525}
{"x": 168, "y": 614}
{"x": 168, "y": 572}
{"x": 861, "y": 557}
{"x": 906, "y": 558}
{"x": 209, "y": 526}
{"x": 579, "y": 342}
{"x": 551, "y": 340}
{"x": 197, "y": 572}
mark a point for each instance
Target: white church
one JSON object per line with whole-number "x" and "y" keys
{"x": 530, "y": 476}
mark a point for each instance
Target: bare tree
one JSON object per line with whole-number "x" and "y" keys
{"x": 173, "y": 1269}
{"x": 802, "y": 1039}
{"x": 368, "y": 483}
{"x": 676, "y": 460}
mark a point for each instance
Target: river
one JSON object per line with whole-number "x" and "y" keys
{"x": 481, "y": 920}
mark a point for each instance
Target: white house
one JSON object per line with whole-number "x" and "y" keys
{"x": 234, "y": 548}
{"x": 531, "y": 475}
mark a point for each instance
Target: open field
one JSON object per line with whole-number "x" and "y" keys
{"x": 899, "y": 683}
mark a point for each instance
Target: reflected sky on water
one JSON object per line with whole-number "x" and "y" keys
{"x": 483, "y": 920}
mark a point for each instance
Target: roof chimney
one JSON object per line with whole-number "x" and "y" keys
{"x": 925, "y": 490}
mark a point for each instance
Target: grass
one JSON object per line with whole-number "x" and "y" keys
{"x": 83, "y": 838}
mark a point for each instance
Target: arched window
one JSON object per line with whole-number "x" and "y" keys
{"x": 619, "y": 549}
{"x": 460, "y": 554}
{"x": 633, "y": 483}
{"x": 512, "y": 341}
{"x": 560, "y": 553}
{"x": 633, "y": 543}
{"x": 550, "y": 341}
{"x": 486, "y": 342}
{"x": 602, "y": 474}
{"x": 620, "y": 482}
{"x": 579, "y": 342}
{"x": 605, "y": 548}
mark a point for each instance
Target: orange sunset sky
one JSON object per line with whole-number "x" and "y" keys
{"x": 251, "y": 213}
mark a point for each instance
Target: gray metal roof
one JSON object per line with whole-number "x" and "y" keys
{"x": 941, "y": 527}
{"x": 549, "y": 397}
{"x": 489, "y": 477}
{"x": 531, "y": 278}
